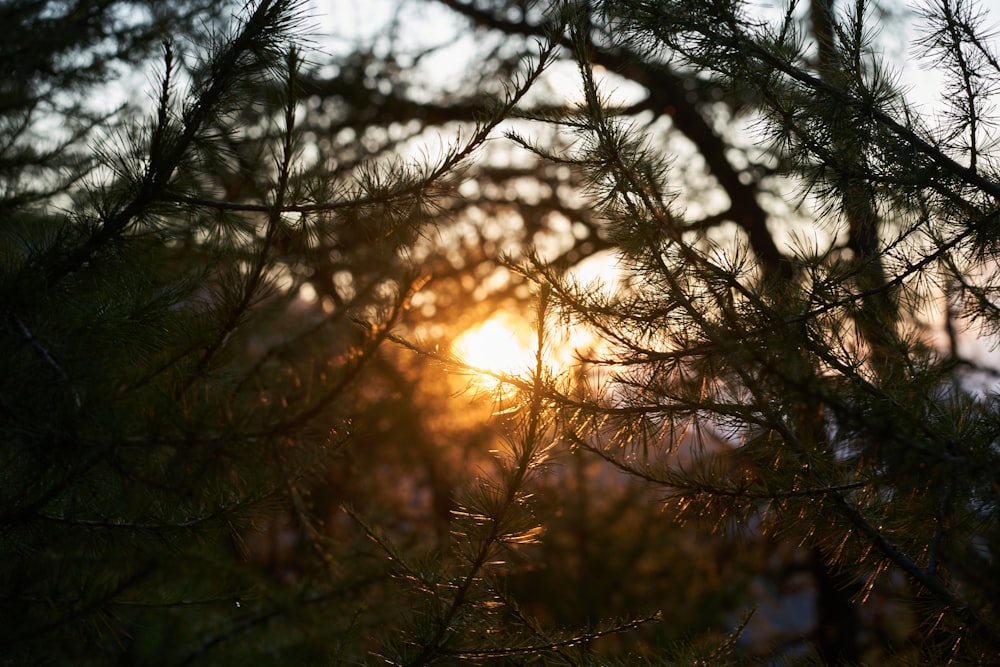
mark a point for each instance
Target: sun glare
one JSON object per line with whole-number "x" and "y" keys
{"x": 496, "y": 346}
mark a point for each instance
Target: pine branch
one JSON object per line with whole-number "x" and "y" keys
{"x": 979, "y": 622}
{"x": 262, "y": 260}
{"x": 555, "y": 646}
{"x": 667, "y": 93}
{"x": 528, "y": 451}
{"x": 261, "y": 26}
{"x": 45, "y": 355}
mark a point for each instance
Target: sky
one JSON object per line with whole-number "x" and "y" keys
{"x": 343, "y": 23}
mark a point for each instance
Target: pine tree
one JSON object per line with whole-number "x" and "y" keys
{"x": 165, "y": 393}
{"x": 234, "y": 429}
{"x": 813, "y": 383}
{"x": 787, "y": 360}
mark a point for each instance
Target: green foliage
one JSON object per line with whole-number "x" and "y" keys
{"x": 160, "y": 393}
{"x": 837, "y": 420}
{"x": 232, "y": 429}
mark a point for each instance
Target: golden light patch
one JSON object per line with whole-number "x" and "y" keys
{"x": 496, "y": 347}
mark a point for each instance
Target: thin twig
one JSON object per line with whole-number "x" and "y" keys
{"x": 45, "y": 354}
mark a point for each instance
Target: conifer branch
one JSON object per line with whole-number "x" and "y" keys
{"x": 45, "y": 355}
{"x": 683, "y": 483}
{"x": 261, "y": 26}
{"x": 253, "y": 281}
{"x": 555, "y": 646}
{"x": 667, "y": 94}
{"x": 839, "y": 96}
{"x": 528, "y": 450}
{"x": 980, "y": 623}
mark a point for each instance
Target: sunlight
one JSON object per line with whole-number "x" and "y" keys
{"x": 497, "y": 346}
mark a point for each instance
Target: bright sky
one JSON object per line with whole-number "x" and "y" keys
{"x": 428, "y": 24}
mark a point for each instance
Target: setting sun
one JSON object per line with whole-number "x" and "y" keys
{"x": 496, "y": 346}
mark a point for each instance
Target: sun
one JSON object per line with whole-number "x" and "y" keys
{"x": 497, "y": 346}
